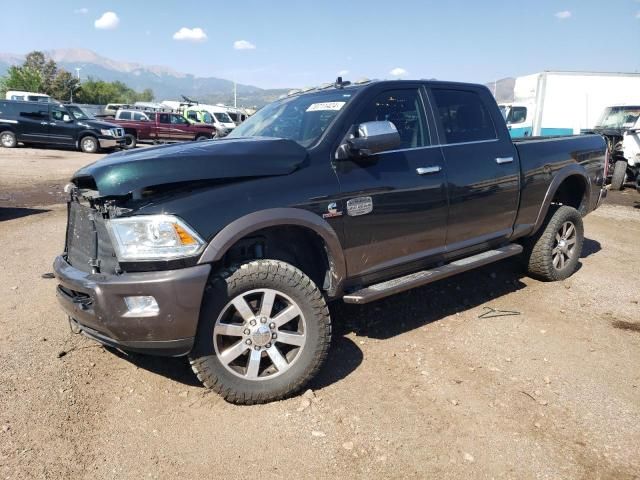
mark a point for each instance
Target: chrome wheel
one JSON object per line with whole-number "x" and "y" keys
{"x": 564, "y": 245}
{"x": 8, "y": 140}
{"x": 259, "y": 334}
{"x": 89, "y": 145}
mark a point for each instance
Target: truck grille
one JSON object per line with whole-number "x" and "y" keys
{"x": 88, "y": 246}
{"x": 117, "y": 132}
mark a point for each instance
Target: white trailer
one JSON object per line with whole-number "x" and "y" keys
{"x": 564, "y": 103}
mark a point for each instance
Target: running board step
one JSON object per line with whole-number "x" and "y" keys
{"x": 418, "y": 279}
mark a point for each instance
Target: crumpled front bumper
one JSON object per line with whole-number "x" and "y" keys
{"x": 96, "y": 307}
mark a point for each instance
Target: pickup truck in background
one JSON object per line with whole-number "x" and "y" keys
{"x": 229, "y": 251}
{"x": 141, "y": 126}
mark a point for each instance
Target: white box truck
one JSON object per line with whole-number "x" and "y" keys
{"x": 564, "y": 103}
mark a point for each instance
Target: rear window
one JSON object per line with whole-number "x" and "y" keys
{"x": 463, "y": 116}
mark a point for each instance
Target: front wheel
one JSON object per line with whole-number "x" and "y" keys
{"x": 130, "y": 141}
{"x": 619, "y": 176}
{"x": 89, "y": 144}
{"x": 8, "y": 139}
{"x": 553, "y": 253}
{"x": 264, "y": 332}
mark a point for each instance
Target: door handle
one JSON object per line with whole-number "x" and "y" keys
{"x": 44, "y": 123}
{"x": 501, "y": 160}
{"x": 428, "y": 170}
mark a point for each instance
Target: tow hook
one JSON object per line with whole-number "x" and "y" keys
{"x": 74, "y": 326}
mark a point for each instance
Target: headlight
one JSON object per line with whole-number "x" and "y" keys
{"x": 107, "y": 132}
{"x": 153, "y": 237}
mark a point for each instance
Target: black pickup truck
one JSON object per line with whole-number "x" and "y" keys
{"x": 229, "y": 250}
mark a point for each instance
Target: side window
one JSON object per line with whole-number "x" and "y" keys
{"x": 8, "y": 109}
{"x": 124, "y": 115}
{"x": 178, "y": 120}
{"x": 34, "y": 111}
{"x": 140, "y": 117}
{"x": 404, "y": 109}
{"x": 464, "y": 116}
{"x": 192, "y": 116}
{"x": 517, "y": 115}
{"x": 164, "y": 118}
{"x": 58, "y": 113}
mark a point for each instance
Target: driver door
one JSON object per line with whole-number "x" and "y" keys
{"x": 403, "y": 192}
{"x": 61, "y": 132}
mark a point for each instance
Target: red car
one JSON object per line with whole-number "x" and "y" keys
{"x": 159, "y": 126}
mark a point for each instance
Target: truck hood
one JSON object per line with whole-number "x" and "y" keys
{"x": 130, "y": 172}
{"x": 97, "y": 124}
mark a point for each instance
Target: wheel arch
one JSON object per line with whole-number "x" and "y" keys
{"x": 282, "y": 217}
{"x": 566, "y": 182}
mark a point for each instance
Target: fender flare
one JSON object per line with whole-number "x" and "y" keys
{"x": 573, "y": 169}
{"x": 272, "y": 217}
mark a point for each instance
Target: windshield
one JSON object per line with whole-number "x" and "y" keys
{"x": 301, "y": 118}
{"x": 78, "y": 113}
{"x": 619, "y": 117}
{"x": 222, "y": 117}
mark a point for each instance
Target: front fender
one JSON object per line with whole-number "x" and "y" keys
{"x": 271, "y": 217}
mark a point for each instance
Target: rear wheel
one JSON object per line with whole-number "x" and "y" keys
{"x": 263, "y": 333}
{"x": 89, "y": 144}
{"x": 130, "y": 141}
{"x": 8, "y": 139}
{"x": 201, "y": 138}
{"x": 554, "y": 252}
{"x": 619, "y": 176}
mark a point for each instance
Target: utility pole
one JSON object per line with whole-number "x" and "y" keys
{"x": 78, "y": 72}
{"x": 235, "y": 95}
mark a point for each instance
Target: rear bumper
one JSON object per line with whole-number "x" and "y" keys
{"x": 95, "y": 303}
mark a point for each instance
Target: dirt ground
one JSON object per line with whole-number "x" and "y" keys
{"x": 416, "y": 386}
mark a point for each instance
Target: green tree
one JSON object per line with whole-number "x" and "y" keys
{"x": 23, "y": 78}
{"x": 100, "y": 92}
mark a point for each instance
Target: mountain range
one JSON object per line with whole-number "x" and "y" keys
{"x": 168, "y": 84}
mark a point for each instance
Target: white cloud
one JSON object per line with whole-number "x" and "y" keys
{"x": 190, "y": 34}
{"x": 243, "y": 45}
{"x": 563, "y": 15}
{"x": 81, "y": 11}
{"x": 398, "y": 72}
{"x": 638, "y": 15}
{"x": 342, "y": 73}
{"x": 108, "y": 21}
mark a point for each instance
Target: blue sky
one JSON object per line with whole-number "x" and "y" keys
{"x": 299, "y": 43}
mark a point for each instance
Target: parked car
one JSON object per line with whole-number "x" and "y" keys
{"x": 55, "y": 124}
{"x": 159, "y": 127}
{"x": 620, "y": 125}
{"x": 564, "y": 103}
{"x": 229, "y": 251}
{"x": 27, "y": 96}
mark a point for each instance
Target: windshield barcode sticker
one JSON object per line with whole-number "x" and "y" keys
{"x": 318, "y": 107}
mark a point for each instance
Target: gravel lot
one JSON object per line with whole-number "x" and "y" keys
{"x": 416, "y": 386}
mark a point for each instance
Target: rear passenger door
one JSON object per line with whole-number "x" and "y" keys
{"x": 483, "y": 173}
{"x": 33, "y": 122}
